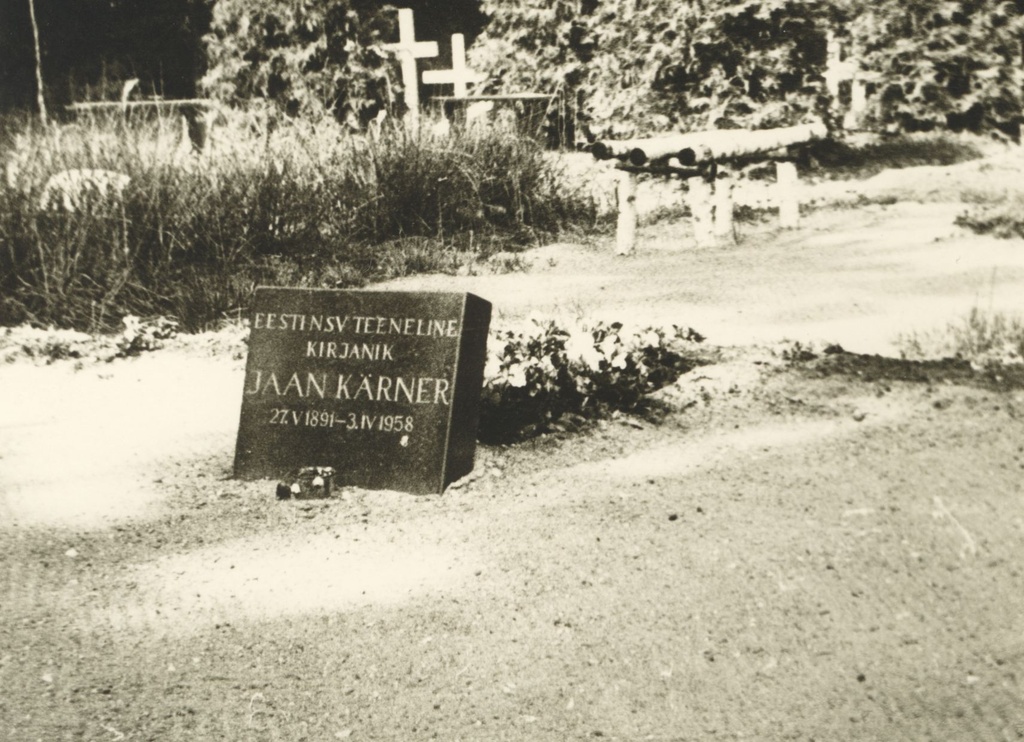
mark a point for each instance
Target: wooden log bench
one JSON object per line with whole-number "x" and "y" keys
{"x": 195, "y": 111}
{"x": 699, "y": 158}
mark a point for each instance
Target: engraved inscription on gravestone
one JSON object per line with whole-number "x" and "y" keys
{"x": 382, "y": 386}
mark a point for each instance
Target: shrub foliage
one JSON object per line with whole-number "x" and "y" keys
{"x": 942, "y": 63}
{"x": 309, "y": 58}
{"x": 644, "y": 67}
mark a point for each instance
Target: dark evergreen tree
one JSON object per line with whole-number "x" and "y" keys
{"x": 89, "y": 47}
{"x": 257, "y": 49}
{"x": 16, "y": 76}
{"x": 955, "y": 64}
{"x": 321, "y": 57}
{"x": 639, "y": 66}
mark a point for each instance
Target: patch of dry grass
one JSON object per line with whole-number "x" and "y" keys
{"x": 188, "y": 235}
{"x": 984, "y": 338}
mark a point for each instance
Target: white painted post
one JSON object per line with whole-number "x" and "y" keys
{"x": 853, "y": 119}
{"x": 409, "y": 50}
{"x": 702, "y": 209}
{"x": 786, "y": 194}
{"x": 625, "y": 233}
{"x": 858, "y": 98}
{"x": 459, "y": 75}
{"x": 723, "y": 205}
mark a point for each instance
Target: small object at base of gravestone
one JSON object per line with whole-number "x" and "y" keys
{"x": 309, "y": 482}
{"x": 314, "y": 482}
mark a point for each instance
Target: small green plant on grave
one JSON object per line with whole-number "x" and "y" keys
{"x": 141, "y": 335}
{"x": 545, "y": 375}
{"x": 797, "y": 352}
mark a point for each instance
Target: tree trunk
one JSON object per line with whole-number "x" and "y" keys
{"x": 40, "y": 97}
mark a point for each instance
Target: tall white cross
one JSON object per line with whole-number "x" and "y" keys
{"x": 409, "y": 50}
{"x": 838, "y": 71}
{"x": 459, "y": 75}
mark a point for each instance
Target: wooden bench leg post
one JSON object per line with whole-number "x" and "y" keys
{"x": 786, "y": 195}
{"x": 196, "y": 125}
{"x": 702, "y": 208}
{"x": 724, "y": 207}
{"x": 625, "y": 235}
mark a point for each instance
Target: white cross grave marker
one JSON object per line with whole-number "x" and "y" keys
{"x": 839, "y": 70}
{"x": 409, "y": 50}
{"x": 459, "y": 75}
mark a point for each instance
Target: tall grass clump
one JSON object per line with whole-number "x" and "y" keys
{"x": 985, "y": 338}
{"x": 1004, "y": 218}
{"x": 100, "y": 219}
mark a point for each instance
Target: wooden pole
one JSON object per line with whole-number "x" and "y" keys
{"x": 40, "y": 94}
{"x": 702, "y": 208}
{"x": 723, "y": 205}
{"x": 625, "y": 233}
{"x": 858, "y": 101}
{"x": 786, "y": 196}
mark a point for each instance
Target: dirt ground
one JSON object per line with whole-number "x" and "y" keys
{"x": 819, "y": 550}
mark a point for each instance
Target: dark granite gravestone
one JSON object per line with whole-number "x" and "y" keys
{"x": 381, "y": 386}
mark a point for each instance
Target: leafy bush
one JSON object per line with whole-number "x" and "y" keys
{"x": 954, "y": 64}
{"x": 545, "y": 373}
{"x": 300, "y": 204}
{"x": 644, "y": 68}
{"x": 311, "y": 59}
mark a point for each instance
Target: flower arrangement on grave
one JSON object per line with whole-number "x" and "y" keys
{"x": 544, "y": 375}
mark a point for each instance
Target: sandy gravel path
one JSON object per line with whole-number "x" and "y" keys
{"x": 796, "y": 552}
